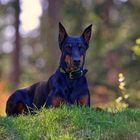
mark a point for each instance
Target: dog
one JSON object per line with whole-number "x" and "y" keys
{"x": 68, "y": 85}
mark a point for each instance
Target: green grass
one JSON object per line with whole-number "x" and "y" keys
{"x": 73, "y": 123}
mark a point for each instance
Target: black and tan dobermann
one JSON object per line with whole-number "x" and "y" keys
{"x": 68, "y": 85}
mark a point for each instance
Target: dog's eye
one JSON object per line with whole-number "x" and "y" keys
{"x": 79, "y": 46}
{"x": 69, "y": 46}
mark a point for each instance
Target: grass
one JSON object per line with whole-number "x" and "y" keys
{"x": 73, "y": 123}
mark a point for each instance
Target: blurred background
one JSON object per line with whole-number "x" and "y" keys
{"x": 29, "y": 49}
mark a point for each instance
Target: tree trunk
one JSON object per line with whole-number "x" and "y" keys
{"x": 49, "y": 34}
{"x": 15, "y": 73}
{"x": 106, "y": 11}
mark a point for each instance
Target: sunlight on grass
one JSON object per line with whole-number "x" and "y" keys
{"x": 71, "y": 123}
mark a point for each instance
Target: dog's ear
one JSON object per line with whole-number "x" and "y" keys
{"x": 62, "y": 33}
{"x": 87, "y": 34}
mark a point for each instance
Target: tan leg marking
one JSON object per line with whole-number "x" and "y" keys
{"x": 83, "y": 100}
{"x": 57, "y": 101}
{"x": 20, "y": 107}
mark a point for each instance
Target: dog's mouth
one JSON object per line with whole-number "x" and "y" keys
{"x": 72, "y": 65}
{"x": 72, "y": 68}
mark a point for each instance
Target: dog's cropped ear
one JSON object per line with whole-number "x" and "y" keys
{"x": 87, "y": 34}
{"x": 62, "y": 34}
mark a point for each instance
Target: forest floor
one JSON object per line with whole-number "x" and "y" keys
{"x": 73, "y": 123}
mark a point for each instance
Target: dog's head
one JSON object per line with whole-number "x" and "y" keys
{"x": 73, "y": 48}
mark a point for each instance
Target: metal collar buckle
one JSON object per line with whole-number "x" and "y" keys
{"x": 70, "y": 75}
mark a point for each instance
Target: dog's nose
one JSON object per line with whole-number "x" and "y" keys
{"x": 76, "y": 62}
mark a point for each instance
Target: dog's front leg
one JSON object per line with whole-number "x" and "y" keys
{"x": 57, "y": 101}
{"x": 83, "y": 100}
{"x": 55, "y": 98}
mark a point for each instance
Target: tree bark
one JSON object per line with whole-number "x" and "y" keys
{"x": 106, "y": 11}
{"x": 49, "y": 34}
{"x": 15, "y": 73}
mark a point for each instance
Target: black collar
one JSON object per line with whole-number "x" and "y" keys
{"x": 75, "y": 74}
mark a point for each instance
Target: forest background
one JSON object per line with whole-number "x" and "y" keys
{"x": 29, "y": 50}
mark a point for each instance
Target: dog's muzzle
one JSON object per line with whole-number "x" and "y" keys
{"x": 76, "y": 63}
